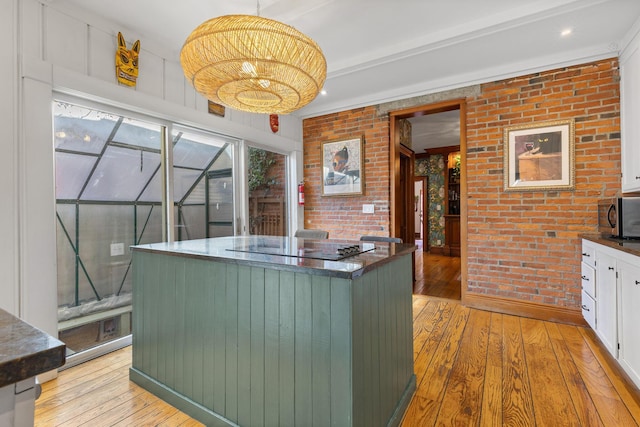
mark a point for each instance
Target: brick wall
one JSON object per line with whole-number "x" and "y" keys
{"x": 524, "y": 245}
{"x": 342, "y": 216}
{"x": 521, "y": 245}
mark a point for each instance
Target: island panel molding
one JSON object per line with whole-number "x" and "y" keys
{"x": 235, "y": 342}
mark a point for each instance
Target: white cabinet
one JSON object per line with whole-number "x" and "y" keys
{"x": 606, "y": 305}
{"x": 629, "y": 113}
{"x": 629, "y": 353}
{"x": 611, "y": 302}
{"x": 588, "y": 273}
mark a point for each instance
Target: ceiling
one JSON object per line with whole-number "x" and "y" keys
{"x": 435, "y": 130}
{"x": 382, "y": 50}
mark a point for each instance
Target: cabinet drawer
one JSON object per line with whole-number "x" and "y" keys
{"x": 589, "y": 309}
{"x": 588, "y": 255}
{"x": 588, "y": 279}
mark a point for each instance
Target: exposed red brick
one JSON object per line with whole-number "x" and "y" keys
{"x": 520, "y": 245}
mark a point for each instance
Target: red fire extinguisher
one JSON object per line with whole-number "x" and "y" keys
{"x": 301, "y": 193}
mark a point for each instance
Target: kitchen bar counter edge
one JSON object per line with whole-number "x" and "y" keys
{"x": 220, "y": 249}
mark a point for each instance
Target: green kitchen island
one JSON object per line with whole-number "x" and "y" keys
{"x": 275, "y": 331}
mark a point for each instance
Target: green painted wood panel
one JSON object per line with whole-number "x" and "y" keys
{"x": 271, "y": 347}
{"x": 341, "y": 353}
{"x": 257, "y": 328}
{"x": 303, "y": 356}
{"x": 178, "y": 317}
{"x": 286, "y": 344}
{"x": 219, "y": 325}
{"x": 321, "y": 350}
{"x": 244, "y": 345}
{"x": 233, "y": 344}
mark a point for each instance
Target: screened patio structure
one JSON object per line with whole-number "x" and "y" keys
{"x": 109, "y": 194}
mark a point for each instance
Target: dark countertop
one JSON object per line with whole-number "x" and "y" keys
{"x": 631, "y": 246}
{"x": 26, "y": 351}
{"x": 282, "y": 253}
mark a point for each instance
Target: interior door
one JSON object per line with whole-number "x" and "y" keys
{"x": 406, "y": 205}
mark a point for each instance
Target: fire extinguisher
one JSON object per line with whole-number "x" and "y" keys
{"x": 301, "y": 193}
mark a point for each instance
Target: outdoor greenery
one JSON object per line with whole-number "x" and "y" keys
{"x": 260, "y": 163}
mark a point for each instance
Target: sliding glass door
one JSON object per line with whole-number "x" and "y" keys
{"x": 109, "y": 196}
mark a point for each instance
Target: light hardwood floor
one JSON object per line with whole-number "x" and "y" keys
{"x": 437, "y": 275}
{"x": 473, "y": 368}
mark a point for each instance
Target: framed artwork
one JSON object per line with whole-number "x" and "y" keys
{"x": 539, "y": 156}
{"x": 343, "y": 167}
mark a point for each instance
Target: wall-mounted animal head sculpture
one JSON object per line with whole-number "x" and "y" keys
{"x": 127, "y": 62}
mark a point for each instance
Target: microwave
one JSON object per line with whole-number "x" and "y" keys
{"x": 619, "y": 217}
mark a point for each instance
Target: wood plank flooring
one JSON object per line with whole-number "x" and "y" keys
{"x": 473, "y": 368}
{"x": 437, "y": 275}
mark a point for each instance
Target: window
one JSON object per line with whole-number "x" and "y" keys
{"x": 109, "y": 196}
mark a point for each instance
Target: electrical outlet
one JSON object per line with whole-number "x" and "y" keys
{"x": 368, "y": 208}
{"x": 117, "y": 249}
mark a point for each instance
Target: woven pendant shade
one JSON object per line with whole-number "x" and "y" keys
{"x": 253, "y": 64}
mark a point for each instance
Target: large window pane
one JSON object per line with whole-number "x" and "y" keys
{"x": 98, "y": 183}
{"x": 72, "y": 171}
{"x": 121, "y": 175}
{"x": 81, "y": 129}
{"x": 109, "y": 197}
{"x": 204, "y": 207}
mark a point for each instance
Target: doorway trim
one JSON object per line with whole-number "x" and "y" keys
{"x": 394, "y": 165}
{"x": 424, "y": 221}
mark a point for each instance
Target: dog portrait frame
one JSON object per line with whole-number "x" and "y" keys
{"x": 343, "y": 167}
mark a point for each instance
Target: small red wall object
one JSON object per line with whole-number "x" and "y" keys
{"x": 274, "y": 122}
{"x": 301, "y": 193}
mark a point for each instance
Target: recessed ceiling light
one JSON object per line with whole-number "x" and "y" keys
{"x": 566, "y": 32}
{"x": 323, "y": 92}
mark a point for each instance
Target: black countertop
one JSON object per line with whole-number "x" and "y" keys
{"x": 26, "y": 351}
{"x": 631, "y": 246}
{"x": 312, "y": 256}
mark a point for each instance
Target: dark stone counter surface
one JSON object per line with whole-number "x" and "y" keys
{"x": 631, "y": 246}
{"x": 26, "y": 351}
{"x": 286, "y": 253}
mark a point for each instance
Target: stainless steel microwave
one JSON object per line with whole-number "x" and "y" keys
{"x": 619, "y": 217}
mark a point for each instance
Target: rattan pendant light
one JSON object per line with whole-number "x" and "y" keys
{"x": 254, "y": 64}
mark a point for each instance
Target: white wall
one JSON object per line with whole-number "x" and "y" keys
{"x": 56, "y": 50}
{"x": 8, "y": 192}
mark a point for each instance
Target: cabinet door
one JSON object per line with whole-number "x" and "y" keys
{"x": 588, "y": 253}
{"x": 588, "y": 279}
{"x": 629, "y": 356}
{"x": 630, "y": 110}
{"x": 606, "y": 303}
{"x": 589, "y": 309}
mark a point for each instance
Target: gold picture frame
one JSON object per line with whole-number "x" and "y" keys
{"x": 343, "y": 167}
{"x": 540, "y": 156}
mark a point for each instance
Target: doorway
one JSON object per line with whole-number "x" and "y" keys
{"x": 399, "y": 203}
{"x": 420, "y": 212}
